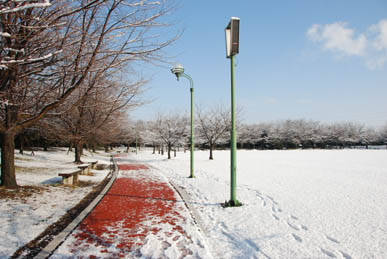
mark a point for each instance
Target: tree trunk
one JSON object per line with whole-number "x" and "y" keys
{"x": 8, "y": 177}
{"x": 45, "y": 148}
{"x": 169, "y": 150}
{"x": 78, "y": 152}
{"x": 21, "y": 148}
{"x": 94, "y": 147}
{"x": 158, "y": 147}
{"x": 162, "y": 150}
{"x": 211, "y": 148}
{"x": 154, "y": 149}
{"x": 106, "y": 148}
{"x": 174, "y": 152}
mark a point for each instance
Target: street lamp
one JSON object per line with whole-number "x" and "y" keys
{"x": 232, "y": 48}
{"x": 178, "y": 70}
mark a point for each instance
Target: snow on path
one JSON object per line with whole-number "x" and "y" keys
{"x": 140, "y": 216}
{"x": 297, "y": 204}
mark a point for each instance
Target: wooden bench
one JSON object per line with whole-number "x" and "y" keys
{"x": 70, "y": 178}
{"x": 85, "y": 169}
{"x": 27, "y": 149}
{"x": 93, "y": 164}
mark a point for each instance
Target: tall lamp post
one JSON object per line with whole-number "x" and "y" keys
{"x": 178, "y": 70}
{"x": 232, "y": 48}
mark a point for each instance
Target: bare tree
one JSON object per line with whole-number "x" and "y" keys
{"x": 86, "y": 117}
{"x": 48, "y": 49}
{"x": 214, "y": 126}
{"x": 171, "y": 129}
{"x": 383, "y": 134}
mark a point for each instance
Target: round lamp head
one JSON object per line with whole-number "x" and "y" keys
{"x": 177, "y": 70}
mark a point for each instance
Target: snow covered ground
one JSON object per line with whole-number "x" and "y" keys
{"x": 23, "y": 219}
{"x": 297, "y": 204}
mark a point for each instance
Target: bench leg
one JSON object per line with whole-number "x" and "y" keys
{"x": 68, "y": 180}
{"x": 75, "y": 180}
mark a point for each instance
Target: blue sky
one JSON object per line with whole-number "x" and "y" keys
{"x": 324, "y": 60}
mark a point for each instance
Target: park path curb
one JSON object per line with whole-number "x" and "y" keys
{"x": 194, "y": 213}
{"x": 187, "y": 201}
{"x": 60, "y": 238}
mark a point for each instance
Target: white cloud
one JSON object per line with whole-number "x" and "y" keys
{"x": 339, "y": 38}
{"x": 380, "y": 42}
{"x": 313, "y": 32}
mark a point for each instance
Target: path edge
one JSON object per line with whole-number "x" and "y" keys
{"x": 187, "y": 201}
{"x": 61, "y": 237}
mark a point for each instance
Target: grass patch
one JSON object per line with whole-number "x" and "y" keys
{"x": 23, "y": 158}
{"x": 20, "y": 193}
{"x": 82, "y": 184}
{"x": 20, "y": 169}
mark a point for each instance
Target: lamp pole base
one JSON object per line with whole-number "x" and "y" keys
{"x": 231, "y": 203}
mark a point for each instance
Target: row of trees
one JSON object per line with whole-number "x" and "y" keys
{"x": 212, "y": 129}
{"x": 99, "y": 121}
{"x": 309, "y": 134}
{"x": 69, "y": 67}
{"x": 173, "y": 130}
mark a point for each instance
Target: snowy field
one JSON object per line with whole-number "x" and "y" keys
{"x": 23, "y": 219}
{"x": 297, "y": 204}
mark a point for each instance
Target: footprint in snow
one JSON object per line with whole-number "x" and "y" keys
{"x": 332, "y": 239}
{"x": 297, "y": 238}
{"x": 223, "y": 225}
{"x": 275, "y": 209}
{"x": 165, "y": 245}
{"x": 304, "y": 227}
{"x": 328, "y": 253}
{"x": 293, "y": 226}
{"x": 345, "y": 255}
{"x": 275, "y": 217}
{"x": 258, "y": 193}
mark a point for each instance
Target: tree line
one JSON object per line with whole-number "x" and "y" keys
{"x": 212, "y": 130}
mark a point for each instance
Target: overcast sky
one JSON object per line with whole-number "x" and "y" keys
{"x": 324, "y": 60}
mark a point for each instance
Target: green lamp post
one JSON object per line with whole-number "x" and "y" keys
{"x": 178, "y": 70}
{"x": 232, "y": 48}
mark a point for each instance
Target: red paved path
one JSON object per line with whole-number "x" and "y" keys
{"x": 138, "y": 205}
